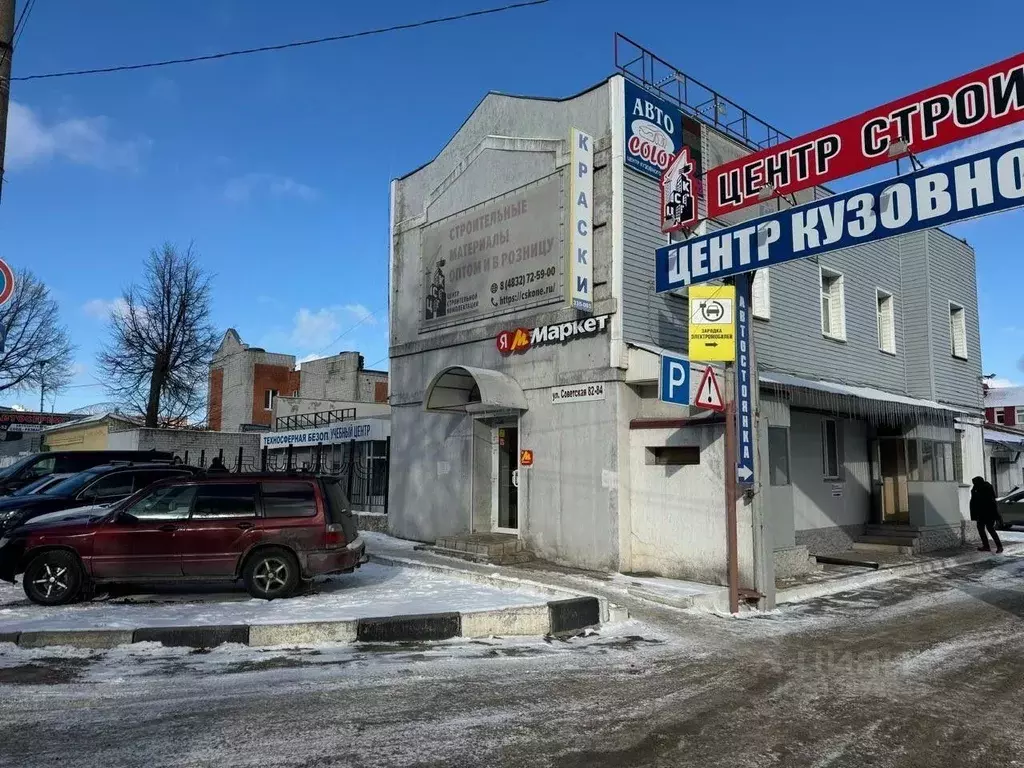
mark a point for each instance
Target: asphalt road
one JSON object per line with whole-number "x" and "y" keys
{"x": 920, "y": 672}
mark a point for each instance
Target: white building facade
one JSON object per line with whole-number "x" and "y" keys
{"x": 516, "y": 413}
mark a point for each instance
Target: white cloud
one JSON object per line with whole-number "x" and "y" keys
{"x": 1000, "y": 383}
{"x": 81, "y": 140}
{"x": 243, "y": 188}
{"x": 361, "y": 313}
{"x": 79, "y": 369}
{"x": 990, "y": 140}
{"x": 101, "y": 309}
{"x": 314, "y": 330}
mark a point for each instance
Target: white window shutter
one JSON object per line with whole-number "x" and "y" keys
{"x": 760, "y": 298}
{"x": 838, "y": 319}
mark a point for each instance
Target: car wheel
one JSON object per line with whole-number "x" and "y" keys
{"x": 53, "y": 578}
{"x": 271, "y": 573}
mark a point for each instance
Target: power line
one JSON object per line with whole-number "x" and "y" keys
{"x": 19, "y": 28}
{"x": 284, "y": 46}
{"x": 340, "y": 336}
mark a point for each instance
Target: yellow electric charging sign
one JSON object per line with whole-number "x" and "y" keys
{"x": 712, "y": 323}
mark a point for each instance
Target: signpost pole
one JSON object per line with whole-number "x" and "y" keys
{"x": 732, "y": 551}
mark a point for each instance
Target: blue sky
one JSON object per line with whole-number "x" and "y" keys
{"x": 277, "y": 165}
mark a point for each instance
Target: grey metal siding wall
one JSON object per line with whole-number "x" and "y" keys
{"x": 916, "y": 301}
{"x": 646, "y": 317}
{"x": 792, "y": 341}
{"x": 952, "y": 279}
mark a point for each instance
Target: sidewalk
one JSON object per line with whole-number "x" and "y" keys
{"x": 611, "y": 589}
{"x": 841, "y": 578}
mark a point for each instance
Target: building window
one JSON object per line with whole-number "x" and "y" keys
{"x": 957, "y": 331}
{"x": 833, "y": 311}
{"x": 886, "y": 322}
{"x": 673, "y": 455}
{"x": 1000, "y": 416}
{"x": 830, "y": 448}
{"x": 269, "y": 396}
{"x": 778, "y": 455}
{"x": 760, "y": 295}
{"x": 958, "y": 457}
{"x": 1018, "y": 413}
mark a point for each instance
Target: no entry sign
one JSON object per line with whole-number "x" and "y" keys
{"x": 6, "y": 282}
{"x": 966, "y": 106}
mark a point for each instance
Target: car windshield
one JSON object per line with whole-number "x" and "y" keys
{"x": 1017, "y": 494}
{"x": 69, "y": 486}
{"x": 36, "y": 485}
{"x": 16, "y": 467}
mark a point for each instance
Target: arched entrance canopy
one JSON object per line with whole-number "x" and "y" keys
{"x": 461, "y": 389}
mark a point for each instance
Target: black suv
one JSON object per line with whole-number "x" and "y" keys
{"x": 100, "y": 485}
{"x": 31, "y": 468}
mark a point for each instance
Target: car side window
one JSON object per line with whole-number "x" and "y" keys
{"x": 115, "y": 486}
{"x": 292, "y": 499}
{"x": 169, "y": 502}
{"x": 219, "y": 500}
{"x": 146, "y": 478}
{"x": 43, "y": 467}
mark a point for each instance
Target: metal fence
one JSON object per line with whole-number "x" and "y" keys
{"x": 364, "y": 466}
{"x": 318, "y": 419}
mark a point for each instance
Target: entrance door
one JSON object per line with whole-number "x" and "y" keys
{"x": 892, "y": 460}
{"x": 505, "y": 518}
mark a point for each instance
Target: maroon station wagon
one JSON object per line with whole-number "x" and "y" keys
{"x": 271, "y": 531}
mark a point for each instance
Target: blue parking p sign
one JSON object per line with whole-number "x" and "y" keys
{"x": 674, "y": 381}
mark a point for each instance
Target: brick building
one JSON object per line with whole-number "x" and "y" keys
{"x": 1004, "y": 406}
{"x": 245, "y": 382}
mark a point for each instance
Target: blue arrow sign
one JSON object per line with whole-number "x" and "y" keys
{"x": 976, "y": 185}
{"x": 744, "y": 386}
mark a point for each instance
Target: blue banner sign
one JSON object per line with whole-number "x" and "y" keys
{"x": 744, "y": 387}
{"x": 976, "y": 185}
{"x": 654, "y": 131}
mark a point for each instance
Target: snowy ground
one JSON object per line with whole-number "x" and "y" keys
{"x": 912, "y": 673}
{"x": 373, "y": 590}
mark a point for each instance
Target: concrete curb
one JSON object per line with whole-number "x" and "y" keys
{"x": 870, "y": 578}
{"x": 499, "y": 580}
{"x": 554, "y": 617}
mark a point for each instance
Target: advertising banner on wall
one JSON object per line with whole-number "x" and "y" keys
{"x": 497, "y": 257}
{"x": 965, "y": 106}
{"x": 655, "y": 132}
{"x": 976, "y": 185}
{"x": 581, "y": 204}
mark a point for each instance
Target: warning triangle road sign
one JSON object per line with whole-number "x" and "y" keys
{"x": 708, "y": 394}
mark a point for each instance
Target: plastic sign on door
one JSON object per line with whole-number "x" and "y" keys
{"x": 674, "y": 381}
{"x": 708, "y": 394}
{"x": 712, "y": 323}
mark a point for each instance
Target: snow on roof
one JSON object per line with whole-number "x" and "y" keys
{"x": 998, "y": 397}
{"x": 848, "y": 390}
{"x": 1003, "y": 436}
{"x": 96, "y": 417}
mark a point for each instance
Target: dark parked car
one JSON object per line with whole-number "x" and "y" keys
{"x": 105, "y": 484}
{"x": 1011, "y": 508}
{"x": 40, "y": 485}
{"x": 271, "y": 531}
{"x": 31, "y": 468}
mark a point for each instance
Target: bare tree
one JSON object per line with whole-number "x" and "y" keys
{"x": 37, "y": 350}
{"x": 155, "y": 362}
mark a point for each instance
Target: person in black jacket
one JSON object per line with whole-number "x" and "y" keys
{"x": 985, "y": 512}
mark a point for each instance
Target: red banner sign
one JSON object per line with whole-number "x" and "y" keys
{"x": 981, "y": 101}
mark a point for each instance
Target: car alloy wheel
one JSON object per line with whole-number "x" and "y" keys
{"x": 271, "y": 575}
{"x": 53, "y": 582}
{"x": 53, "y": 578}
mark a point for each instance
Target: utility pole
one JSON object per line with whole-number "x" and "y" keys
{"x": 6, "y": 54}
{"x": 42, "y": 383}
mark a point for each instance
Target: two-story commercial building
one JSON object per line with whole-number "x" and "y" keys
{"x": 516, "y": 413}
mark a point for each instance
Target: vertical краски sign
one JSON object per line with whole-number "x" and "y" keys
{"x": 981, "y": 101}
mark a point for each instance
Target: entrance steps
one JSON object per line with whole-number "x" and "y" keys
{"x": 493, "y": 548}
{"x": 894, "y": 539}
